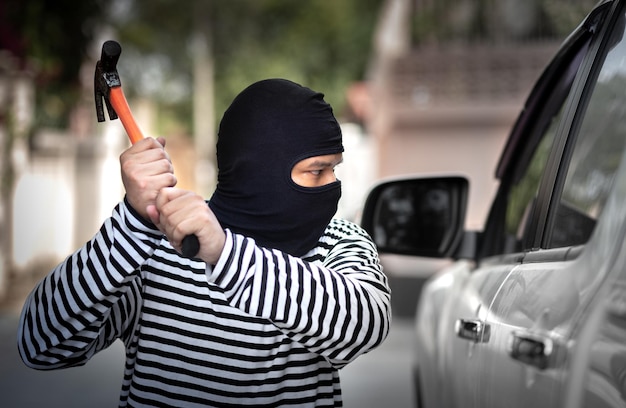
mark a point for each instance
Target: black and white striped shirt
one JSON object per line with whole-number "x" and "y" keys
{"x": 260, "y": 328}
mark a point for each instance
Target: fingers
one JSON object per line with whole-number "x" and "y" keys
{"x": 146, "y": 169}
{"x": 177, "y": 210}
{"x": 183, "y": 213}
{"x": 153, "y": 214}
{"x": 146, "y": 157}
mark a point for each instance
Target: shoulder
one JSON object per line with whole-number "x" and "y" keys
{"x": 338, "y": 234}
{"x": 341, "y": 228}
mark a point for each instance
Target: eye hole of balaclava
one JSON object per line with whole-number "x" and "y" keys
{"x": 269, "y": 127}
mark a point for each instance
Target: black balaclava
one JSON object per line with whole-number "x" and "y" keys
{"x": 268, "y": 128}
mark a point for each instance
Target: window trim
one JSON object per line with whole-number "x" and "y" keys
{"x": 579, "y": 43}
{"x": 571, "y": 125}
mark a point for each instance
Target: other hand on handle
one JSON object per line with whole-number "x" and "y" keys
{"x": 181, "y": 213}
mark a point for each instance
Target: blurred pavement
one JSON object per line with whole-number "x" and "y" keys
{"x": 95, "y": 385}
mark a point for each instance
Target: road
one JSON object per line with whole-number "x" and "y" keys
{"x": 380, "y": 379}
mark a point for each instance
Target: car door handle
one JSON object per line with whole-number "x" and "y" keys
{"x": 531, "y": 349}
{"x": 472, "y": 329}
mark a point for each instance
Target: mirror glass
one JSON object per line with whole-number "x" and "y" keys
{"x": 420, "y": 216}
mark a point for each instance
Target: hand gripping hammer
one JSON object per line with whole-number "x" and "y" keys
{"x": 108, "y": 87}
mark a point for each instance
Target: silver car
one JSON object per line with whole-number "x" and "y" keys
{"x": 532, "y": 313}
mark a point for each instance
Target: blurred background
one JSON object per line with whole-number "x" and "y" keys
{"x": 419, "y": 86}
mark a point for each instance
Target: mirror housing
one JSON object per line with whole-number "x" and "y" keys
{"x": 417, "y": 216}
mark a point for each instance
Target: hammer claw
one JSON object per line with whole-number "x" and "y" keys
{"x": 99, "y": 108}
{"x": 105, "y": 78}
{"x": 110, "y": 109}
{"x": 98, "y": 94}
{"x": 99, "y": 97}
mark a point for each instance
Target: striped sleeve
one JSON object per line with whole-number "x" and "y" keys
{"x": 338, "y": 308}
{"x": 88, "y": 300}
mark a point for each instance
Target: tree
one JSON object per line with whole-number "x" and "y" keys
{"x": 320, "y": 43}
{"x": 42, "y": 46}
{"x": 51, "y": 38}
{"x": 466, "y": 21}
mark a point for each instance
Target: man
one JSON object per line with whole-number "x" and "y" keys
{"x": 278, "y": 298}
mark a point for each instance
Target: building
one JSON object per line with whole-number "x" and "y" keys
{"x": 447, "y": 81}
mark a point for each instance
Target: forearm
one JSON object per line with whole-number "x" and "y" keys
{"x": 74, "y": 311}
{"x": 339, "y": 310}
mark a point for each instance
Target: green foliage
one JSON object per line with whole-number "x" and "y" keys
{"x": 466, "y": 21}
{"x": 565, "y": 15}
{"x": 52, "y": 37}
{"x": 322, "y": 44}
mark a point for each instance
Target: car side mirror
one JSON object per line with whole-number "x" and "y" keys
{"x": 417, "y": 216}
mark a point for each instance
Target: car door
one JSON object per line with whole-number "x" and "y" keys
{"x": 597, "y": 371}
{"x": 467, "y": 337}
{"x": 569, "y": 242}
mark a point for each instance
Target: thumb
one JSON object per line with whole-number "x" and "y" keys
{"x": 153, "y": 214}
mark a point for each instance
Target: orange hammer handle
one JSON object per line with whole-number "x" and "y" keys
{"x": 119, "y": 103}
{"x": 191, "y": 245}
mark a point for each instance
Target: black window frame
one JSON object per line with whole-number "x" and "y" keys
{"x": 529, "y": 130}
{"x": 578, "y": 115}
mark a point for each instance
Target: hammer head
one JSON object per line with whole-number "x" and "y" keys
{"x": 106, "y": 77}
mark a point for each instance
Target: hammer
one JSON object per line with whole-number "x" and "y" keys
{"x": 108, "y": 87}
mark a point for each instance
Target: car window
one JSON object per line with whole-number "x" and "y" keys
{"x": 523, "y": 194}
{"x": 596, "y": 154}
{"x": 523, "y": 186}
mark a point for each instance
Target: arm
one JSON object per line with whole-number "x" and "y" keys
{"x": 89, "y": 300}
{"x": 338, "y": 309}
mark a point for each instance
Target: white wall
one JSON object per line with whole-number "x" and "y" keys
{"x": 357, "y": 173}
{"x": 63, "y": 193}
